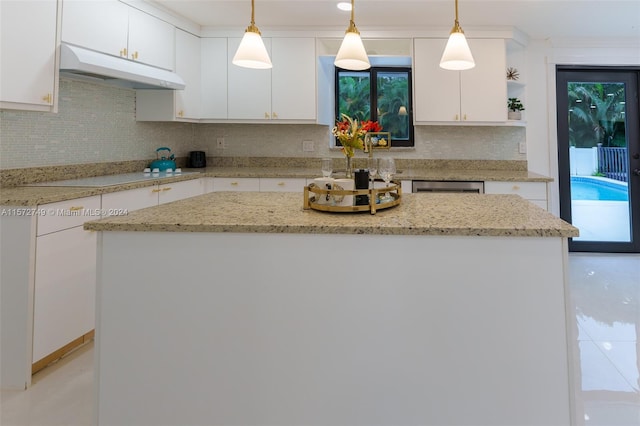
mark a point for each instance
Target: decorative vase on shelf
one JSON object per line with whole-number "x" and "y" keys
{"x": 514, "y": 115}
{"x": 349, "y": 167}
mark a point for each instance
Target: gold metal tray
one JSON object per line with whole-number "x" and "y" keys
{"x": 312, "y": 194}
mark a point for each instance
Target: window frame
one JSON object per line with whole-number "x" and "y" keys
{"x": 373, "y": 98}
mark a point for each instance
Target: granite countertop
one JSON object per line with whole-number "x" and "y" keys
{"x": 418, "y": 214}
{"x": 38, "y": 195}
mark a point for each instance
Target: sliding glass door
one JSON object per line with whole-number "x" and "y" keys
{"x": 599, "y": 157}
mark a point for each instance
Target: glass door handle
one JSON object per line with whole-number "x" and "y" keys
{"x": 636, "y": 172}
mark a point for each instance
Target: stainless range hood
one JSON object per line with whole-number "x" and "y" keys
{"x": 99, "y": 67}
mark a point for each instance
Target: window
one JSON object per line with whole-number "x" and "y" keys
{"x": 388, "y": 101}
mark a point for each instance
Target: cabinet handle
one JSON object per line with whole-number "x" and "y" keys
{"x": 457, "y": 117}
{"x": 155, "y": 190}
{"x": 76, "y": 208}
{"x": 465, "y": 117}
{"x": 123, "y": 52}
{"x": 280, "y": 183}
{"x": 166, "y": 189}
{"x": 516, "y": 188}
{"x": 47, "y": 98}
{"x": 134, "y": 55}
{"x": 180, "y": 113}
{"x": 234, "y": 183}
{"x": 275, "y": 115}
{"x": 266, "y": 115}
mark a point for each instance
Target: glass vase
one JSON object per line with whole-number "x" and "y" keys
{"x": 349, "y": 167}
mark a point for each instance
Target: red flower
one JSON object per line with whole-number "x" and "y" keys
{"x": 371, "y": 126}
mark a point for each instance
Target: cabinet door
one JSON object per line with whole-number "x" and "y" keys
{"x": 180, "y": 190}
{"x": 249, "y": 90}
{"x": 436, "y": 91}
{"x": 188, "y": 67}
{"x": 130, "y": 200}
{"x": 236, "y": 184}
{"x": 483, "y": 89}
{"x": 151, "y": 40}
{"x": 282, "y": 185}
{"x": 214, "y": 78}
{"x": 98, "y": 25}
{"x": 293, "y": 79}
{"x": 27, "y": 54}
{"x": 64, "y": 298}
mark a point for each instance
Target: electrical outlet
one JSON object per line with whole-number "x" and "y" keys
{"x": 522, "y": 147}
{"x": 307, "y": 146}
{"x": 220, "y": 143}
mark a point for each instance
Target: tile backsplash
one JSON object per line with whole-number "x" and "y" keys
{"x": 96, "y": 124}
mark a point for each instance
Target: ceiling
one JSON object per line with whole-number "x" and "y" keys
{"x": 539, "y": 19}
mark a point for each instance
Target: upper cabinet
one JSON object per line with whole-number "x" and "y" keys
{"x": 175, "y": 105}
{"x": 287, "y": 92}
{"x": 476, "y": 95}
{"x": 112, "y": 27}
{"x": 28, "y": 55}
{"x": 213, "y": 84}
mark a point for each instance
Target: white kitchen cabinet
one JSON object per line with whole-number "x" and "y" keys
{"x": 115, "y": 28}
{"x": 149, "y": 196}
{"x": 213, "y": 83}
{"x": 64, "y": 302}
{"x": 536, "y": 192}
{"x": 130, "y": 200}
{"x": 235, "y": 184}
{"x": 286, "y": 92}
{"x": 248, "y": 90}
{"x": 65, "y": 278}
{"x": 476, "y": 95}
{"x": 293, "y": 79}
{"x": 28, "y": 54}
{"x": 282, "y": 184}
{"x": 175, "y": 105}
{"x": 175, "y": 191}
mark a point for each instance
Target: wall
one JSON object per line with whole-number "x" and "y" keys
{"x": 96, "y": 123}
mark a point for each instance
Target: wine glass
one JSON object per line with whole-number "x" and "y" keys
{"x": 372, "y": 165}
{"x": 327, "y": 167}
{"x": 386, "y": 169}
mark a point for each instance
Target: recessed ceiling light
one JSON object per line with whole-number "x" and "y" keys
{"x": 343, "y": 5}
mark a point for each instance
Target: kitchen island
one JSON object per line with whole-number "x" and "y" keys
{"x": 243, "y": 308}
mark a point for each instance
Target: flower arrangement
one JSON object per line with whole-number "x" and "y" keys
{"x": 351, "y": 133}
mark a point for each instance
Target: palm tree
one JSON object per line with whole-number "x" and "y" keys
{"x": 596, "y": 113}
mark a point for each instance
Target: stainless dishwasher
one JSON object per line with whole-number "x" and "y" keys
{"x": 447, "y": 186}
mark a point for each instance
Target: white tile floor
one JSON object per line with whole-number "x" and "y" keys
{"x": 605, "y": 290}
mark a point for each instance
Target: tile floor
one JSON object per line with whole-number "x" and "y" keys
{"x": 605, "y": 290}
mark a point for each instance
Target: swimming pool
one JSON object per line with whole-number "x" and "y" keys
{"x": 595, "y": 188}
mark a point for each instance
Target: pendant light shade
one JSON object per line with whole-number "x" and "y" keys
{"x": 352, "y": 54}
{"x": 252, "y": 52}
{"x": 457, "y": 55}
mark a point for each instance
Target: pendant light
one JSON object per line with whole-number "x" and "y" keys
{"x": 252, "y": 53}
{"x": 352, "y": 55}
{"x": 457, "y": 55}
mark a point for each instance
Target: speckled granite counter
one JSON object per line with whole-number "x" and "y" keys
{"x": 35, "y": 195}
{"x": 419, "y": 214}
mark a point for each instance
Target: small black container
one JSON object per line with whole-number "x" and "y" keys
{"x": 197, "y": 159}
{"x": 361, "y": 181}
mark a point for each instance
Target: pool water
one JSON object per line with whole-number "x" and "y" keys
{"x": 584, "y": 188}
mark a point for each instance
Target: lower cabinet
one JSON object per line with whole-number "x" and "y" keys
{"x": 140, "y": 198}
{"x": 536, "y": 192}
{"x": 65, "y": 264}
{"x": 65, "y": 285}
{"x": 64, "y": 279}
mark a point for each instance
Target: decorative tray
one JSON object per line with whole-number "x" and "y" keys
{"x": 337, "y": 201}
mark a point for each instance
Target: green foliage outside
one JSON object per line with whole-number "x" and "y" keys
{"x": 596, "y": 114}
{"x": 393, "y": 92}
